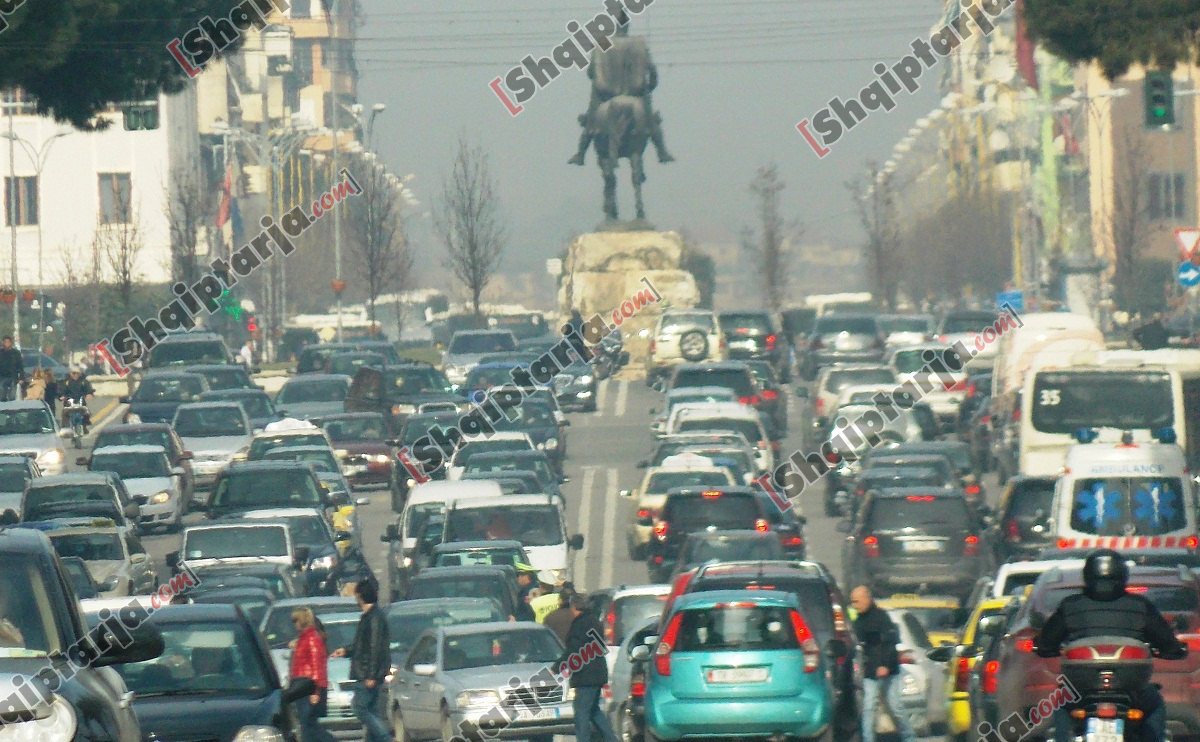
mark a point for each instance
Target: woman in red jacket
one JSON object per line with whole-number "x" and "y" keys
{"x": 310, "y": 660}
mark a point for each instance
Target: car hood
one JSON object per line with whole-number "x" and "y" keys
{"x": 214, "y": 444}
{"x": 355, "y": 448}
{"x": 491, "y": 677}
{"x": 548, "y": 557}
{"x": 33, "y": 442}
{"x": 103, "y": 569}
{"x": 148, "y": 485}
{"x": 200, "y": 564}
{"x": 154, "y": 412}
{"x": 216, "y": 716}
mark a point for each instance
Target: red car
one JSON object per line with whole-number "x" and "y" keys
{"x": 359, "y": 438}
{"x": 1022, "y": 679}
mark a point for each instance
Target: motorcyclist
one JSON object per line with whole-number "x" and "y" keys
{"x": 77, "y": 387}
{"x": 575, "y": 336}
{"x": 1105, "y": 609}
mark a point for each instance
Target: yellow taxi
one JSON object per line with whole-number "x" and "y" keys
{"x": 962, "y": 659}
{"x": 937, "y": 614}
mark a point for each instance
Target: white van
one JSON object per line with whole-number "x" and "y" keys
{"x": 537, "y": 521}
{"x": 1125, "y": 496}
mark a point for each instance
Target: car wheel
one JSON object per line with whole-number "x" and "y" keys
{"x": 628, "y": 729}
{"x": 400, "y": 732}
{"x": 693, "y": 345}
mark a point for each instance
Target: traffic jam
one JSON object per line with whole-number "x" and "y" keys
{"x": 827, "y": 523}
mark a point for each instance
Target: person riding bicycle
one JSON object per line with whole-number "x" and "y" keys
{"x": 1105, "y": 609}
{"x": 77, "y": 387}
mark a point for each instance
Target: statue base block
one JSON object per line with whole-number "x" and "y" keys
{"x": 620, "y": 225}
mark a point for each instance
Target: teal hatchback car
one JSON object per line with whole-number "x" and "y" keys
{"x": 737, "y": 663}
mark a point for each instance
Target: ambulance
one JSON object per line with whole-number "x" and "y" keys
{"x": 1125, "y": 495}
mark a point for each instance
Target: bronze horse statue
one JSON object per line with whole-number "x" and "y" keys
{"x": 621, "y": 130}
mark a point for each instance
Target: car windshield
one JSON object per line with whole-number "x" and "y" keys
{"x": 324, "y": 459}
{"x": 365, "y": 428}
{"x": 720, "y": 509}
{"x": 532, "y": 525}
{"x": 27, "y": 614}
{"x": 415, "y": 427}
{"x": 405, "y": 625}
{"x": 889, "y": 325}
{"x": 741, "y": 323}
{"x": 419, "y": 380}
{"x": 738, "y": 461}
{"x": 1030, "y": 497}
{"x": 90, "y": 547}
{"x": 528, "y": 414}
{"x": 188, "y": 353}
{"x": 811, "y": 592}
{"x": 228, "y": 378}
{"x": 834, "y": 324}
{"x": 13, "y": 477}
{"x": 632, "y": 611}
{"x": 201, "y": 658}
{"x": 300, "y": 390}
{"x": 169, "y": 389}
{"x": 308, "y": 530}
{"x": 1128, "y": 506}
{"x": 203, "y": 422}
{"x": 500, "y": 648}
{"x": 26, "y": 422}
{"x": 663, "y": 481}
{"x": 261, "y": 444}
{"x": 288, "y": 488}
{"x": 920, "y": 512}
{"x": 134, "y": 438}
{"x": 458, "y": 586}
{"x": 483, "y": 342}
{"x": 737, "y": 380}
{"x": 491, "y": 465}
{"x": 472, "y": 449}
{"x": 228, "y": 543}
{"x": 736, "y": 627}
{"x": 839, "y": 380}
{"x": 473, "y": 557}
{"x": 279, "y": 630}
{"x": 912, "y": 361}
{"x": 255, "y": 405}
{"x": 909, "y": 476}
{"x": 726, "y": 549}
{"x": 724, "y": 395}
{"x": 132, "y": 465}
{"x": 748, "y": 428}
{"x": 677, "y": 323}
{"x": 50, "y": 496}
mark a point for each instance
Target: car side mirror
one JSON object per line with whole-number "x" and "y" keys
{"x": 564, "y": 480}
{"x": 340, "y": 537}
{"x": 575, "y": 543}
{"x": 640, "y": 653}
{"x": 394, "y": 443}
{"x": 362, "y": 502}
{"x": 109, "y": 584}
{"x": 391, "y": 533}
{"x": 142, "y": 643}
{"x": 944, "y": 653}
{"x": 123, "y": 399}
{"x": 991, "y": 626}
{"x": 844, "y": 526}
{"x": 643, "y": 464}
{"x": 837, "y": 649}
{"x": 424, "y": 670}
{"x": 625, "y": 493}
{"x": 141, "y": 499}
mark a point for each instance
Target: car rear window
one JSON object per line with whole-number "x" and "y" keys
{"x": 722, "y": 509}
{"x": 745, "y": 322}
{"x": 1166, "y": 598}
{"x": 632, "y": 611}
{"x": 486, "y": 342}
{"x": 748, "y": 428}
{"x": 1128, "y": 506}
{"x": 1029, "y": 497}
{"x": 736, "y": 627}
{"x": 457, "y": 587}
{"x": 415, "y": 381}
{"x": 717, "y": 549}
{"x": 669, "y": 480}
{"x": 812, "y": 594}
{"x": 831, "y": 325}
{"x": 839, "y": 380}
{"x": 911, "y": 476}
{"x": 683, "y": 322}
{"x": 189, "y": 352}
{"x": 923, "y": 512}
{"x": 736, "y": 379}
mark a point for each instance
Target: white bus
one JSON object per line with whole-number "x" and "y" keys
{"x": 1112, "y": 396}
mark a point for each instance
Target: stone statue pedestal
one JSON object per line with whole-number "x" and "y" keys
{"x": 604, "y": 268}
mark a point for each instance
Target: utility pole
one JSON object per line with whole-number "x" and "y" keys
{"x": 335, "y": 46}
{"x": 12, "y": 220}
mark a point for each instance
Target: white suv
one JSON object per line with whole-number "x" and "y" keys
{"x": 683, "y": 336}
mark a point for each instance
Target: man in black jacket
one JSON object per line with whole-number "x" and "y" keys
{"x": 584, "y": 659}
{"x": 370, "y": 663}
{"x": 12, "y": 369}
{"x": 881, "y": 665}
{"x": 1105, "y": 609}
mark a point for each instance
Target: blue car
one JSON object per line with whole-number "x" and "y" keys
{"x": 737, "y": 663}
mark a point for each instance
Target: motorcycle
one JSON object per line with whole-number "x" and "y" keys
{"x": 609, "y": 357}
{"x": 1107, "y": 674}
{"x": 75, "y": 410}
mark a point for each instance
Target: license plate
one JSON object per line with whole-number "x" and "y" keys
{"x": 1105, "y": 730}
{"x": 922, "y": 546}
{"x": 738, "y": 675}
{"x": 541, "y": 714}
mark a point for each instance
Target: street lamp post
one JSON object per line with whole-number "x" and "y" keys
{"x": 12, "y": 221}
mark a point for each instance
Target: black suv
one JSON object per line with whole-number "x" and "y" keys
{"x": 1021, "y": 527}
{"x": 189, "y": 349}
{"x": 754, "y": 335}
{"x": 915, "y": 538}
{"x": 47, "y": 616}
{"x": 397, "y": 391}
{"x": 262, "y": 485}
{"x": 688, "y": 510}
{"x": 313, "y": 357}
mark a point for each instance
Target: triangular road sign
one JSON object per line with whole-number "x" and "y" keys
{"x": 1188, "y": 238}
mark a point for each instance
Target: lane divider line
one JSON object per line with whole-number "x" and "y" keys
{"x": 601, "y": 397}
{"x": 585, "y": 522}
{"x": 608, "y": 527}
{"x": 622, "y": 398}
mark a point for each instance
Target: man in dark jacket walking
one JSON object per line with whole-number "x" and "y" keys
{"x": 12, "y": 369}
{"x": 370, "y": 663}
{"x": 881, "y": 665}
{"x": 584, "y": 658}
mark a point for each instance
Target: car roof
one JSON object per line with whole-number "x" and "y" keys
{"x": 507, "y": 502}
{"x": 136, "y": 449}
{"x": 315, "y": 600}
{"x": 712, "y": 366}
{"x": 711, "y": 598}
{"x": 134, "y": 427}
{"x": 23, "y": 404}
{"x": 478, "y": 545}
{"x": 307, "y": 448}
{"x": 716, "y": 410}
{"x": 351, "y": 416}
{"x": 904, "y": 601}
{"x": 78, "y": 477}
{"x": 313, "y": 378}
{"x": 767, "y": 568}
{"x": 688, "y": 390}
{"x": 214, "y": 367}
{"x": 442, "y": 489}
{"x": 626, "y": 591}
{"x": 191, "y": 613}
{"x": 234, "y": 523}
{"x": 24, "y": 541}
{"x": 730, "y": 535}
{"x": 404, "y": 606}
{"x": 170, "y": 373}
{"x": 263, "y": 465}
{"x": 466, "y": 570}
{"x": 895, "y": 493}
{"x": 14, "y": 459}
{"x": 490, "y": 626}
{"x": 277, "y": 513}
{"x": 226, "y": 393}
{"x": 211, "y": 405}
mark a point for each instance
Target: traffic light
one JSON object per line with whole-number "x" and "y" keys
{"x": 1159, "y": 95}
{"x": 230, "y": 305}
{"x": 251, "y": 324}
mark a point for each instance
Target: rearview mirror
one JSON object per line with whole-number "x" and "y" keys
{"x": 575, "y": 543}
{"x": 362, "y": 502}
{"x": 146, "y": 644}
{"x": 943, "y": 653}
{"x": 625, "y": 493}
{"x": 640, "y": 653}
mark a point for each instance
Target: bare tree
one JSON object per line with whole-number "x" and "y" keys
{"x": 78, "y": 274}
{"x": 376, "y": 225}
{"x": 189, "y": 206}
{"x": 874, "y": 198}
{"x": 118, "y": 244}
{"x": 770, "y": 243}
{"x": 469, "y": 221}
{"x": 1130, "y": 217}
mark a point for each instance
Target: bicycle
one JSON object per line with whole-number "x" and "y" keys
{"x": 75, "y": 410}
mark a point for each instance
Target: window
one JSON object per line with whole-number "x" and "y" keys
{"x": 1167, "y": 196}
{"x": 425, "y": 653}
{"x": 116, "y": 195}
{"x": 25, "y": 207}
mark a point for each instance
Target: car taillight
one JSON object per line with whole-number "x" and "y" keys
{"x": 769, "y": 394}
{"x": 943, "y": 338}
{"x": 637, "y": 689}
{"x": 991, "y": 672}
{"x": 753, "y": 400}
{"x": 962, "y": 675}
{"x": 661, "y": 528}
{"x": 652, "y": 346}
{"x": 1101, "y": 651}
{"x": 1013, "y": 530}
{"x": 771, "y": 342}
{"x": 610, "y": 625}
{"x": 1016, "y": 415}
{"x": 1191, "y": 542}
{"x": 906, "y": 658}
{"x": 662, "y": 653}
{"x": 971, "y": 389}
{"x": 793, "y": 541}
{"x": 956, "y": 386}
{"x": 871, "y": 546}
{"x": 812, "y": 650}
{"x": 971, "y": 546}
{"x": 839, "y": 619}
{"x": 985, "y": 419}
{"x": 643, "y": 512}
{"x": 972, "y": 489}
{"x": 1025, "y": 646}
{"x": 761, "y": 525}
{"x": 819, "y": 406}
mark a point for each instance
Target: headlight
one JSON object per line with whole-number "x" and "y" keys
{"x": 407, "y": 561}
{"x": 551, "y": 444}
{"x": 258, "y": 734}
{"x": 403, "y": 409}
{"x": 325, "y": 562}
{"x": 160, "y": 498}
{"x": 341, "y": 453}
{"x": 133, "y": 419}
{"x": 380, "y": 458}
{"x": 585, "y": 379}
{"x": 570, "y": 695}
{"x": 478, "y": 698}
{"x": 51, "y": 457}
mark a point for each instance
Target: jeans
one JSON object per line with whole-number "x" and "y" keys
{"x": 1153, "y": 728}
{"x": 309, "y": 715}
{"x": 8, "y": 390}
{"x": 875, "y": 690}
{"x": 588, "y": 712}
{"x": 368, "y": 707}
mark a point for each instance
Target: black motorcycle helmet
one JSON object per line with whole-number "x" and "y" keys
{"x": 1105, "y": 575}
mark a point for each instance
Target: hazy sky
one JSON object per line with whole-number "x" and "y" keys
{"x": 735, "y": 78}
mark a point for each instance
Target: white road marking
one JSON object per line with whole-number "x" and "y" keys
{"x": 585, "y": 521}
{"x": 601, "y": 396}
{"x": 622, "y": 397}
{"x": 608, "y": 531}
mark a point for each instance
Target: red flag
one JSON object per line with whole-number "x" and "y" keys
{"x": 226, "y": 199}
{"x": 1025, "y": 48}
